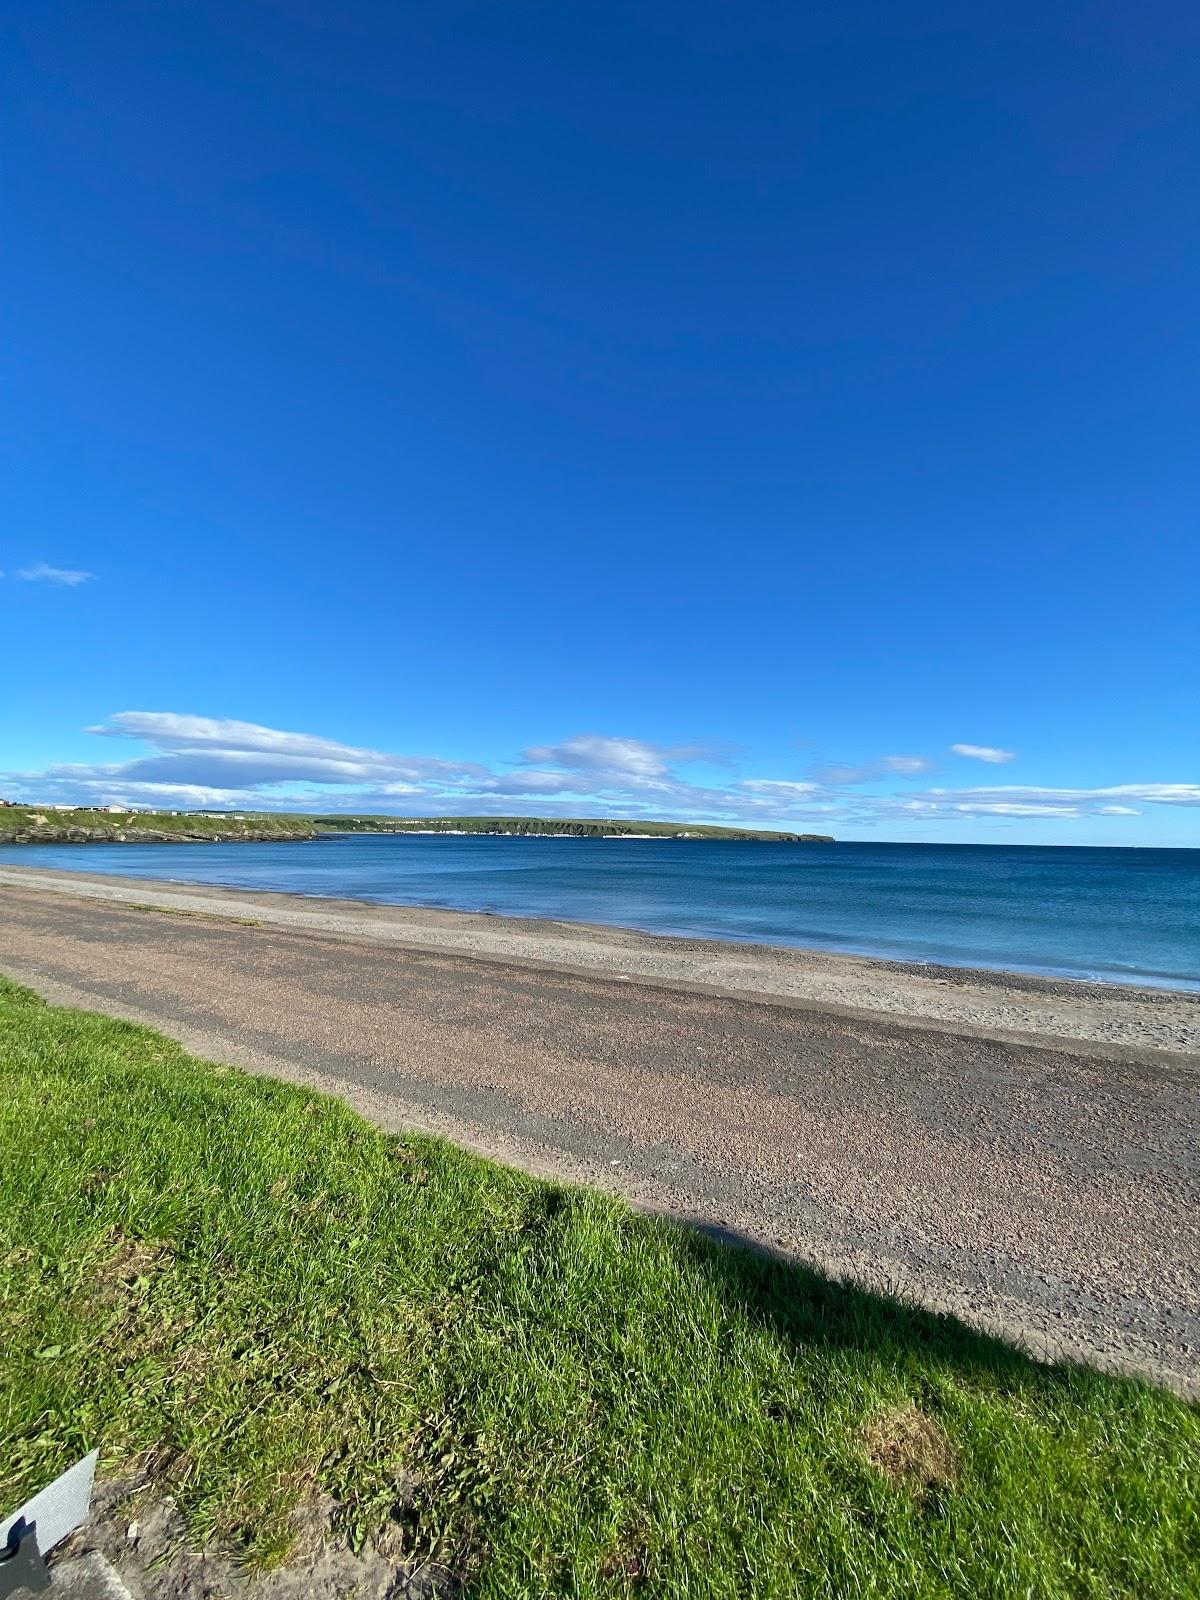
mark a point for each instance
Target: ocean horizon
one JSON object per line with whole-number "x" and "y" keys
{"x": 1107, "y": 915}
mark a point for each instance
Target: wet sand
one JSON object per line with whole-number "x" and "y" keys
{"x": 1021, "y": 1152}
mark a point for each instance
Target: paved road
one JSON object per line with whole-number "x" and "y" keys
{"x": 1039, "y": 1191}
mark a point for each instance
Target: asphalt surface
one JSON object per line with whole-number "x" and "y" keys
{"x": 1047, "y": 1193}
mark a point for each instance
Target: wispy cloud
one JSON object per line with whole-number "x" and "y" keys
{"x": 67, "y": 577}
{"x": 984, "y": 752}
{"x": 595, "y": 752}
{"x": 220, "y": 751}
{"x": 1032, "y": 800}
{"x": 1166, "y": 794}
{"x": 598, "y": 752}
{"x": 781, "y": 788}
{"x": 871, "y": 771}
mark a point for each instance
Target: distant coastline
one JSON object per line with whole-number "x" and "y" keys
{"x": 561, "y": 827}
{"x": 53, "y": 824}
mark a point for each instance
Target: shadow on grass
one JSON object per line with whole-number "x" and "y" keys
{"x": 812, "y": 1310}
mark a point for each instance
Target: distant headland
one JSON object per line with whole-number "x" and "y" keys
{"x": 562, "y": 827}
{"x": 58, "y": 824}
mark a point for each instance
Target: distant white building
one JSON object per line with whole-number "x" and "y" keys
{"x": 118, "y": 811}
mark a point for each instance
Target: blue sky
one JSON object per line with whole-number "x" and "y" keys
{"x": 731, "y": 412}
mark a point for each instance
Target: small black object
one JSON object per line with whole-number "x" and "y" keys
{"x": 22, "y": 1565}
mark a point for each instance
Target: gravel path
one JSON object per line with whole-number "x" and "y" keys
{"x": 1045, "y": 1191}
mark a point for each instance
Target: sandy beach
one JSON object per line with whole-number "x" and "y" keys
{"x": 1020, "y": 1152}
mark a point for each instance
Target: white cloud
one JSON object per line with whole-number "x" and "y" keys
{"x": 1167, "y": 794}
{"x": 631, "y": 758}
{"x": 1014, "y": 808}
{"x": 597, "y": 752}
{"x": 780, "y": 788}
{"x": 870, "y": 771}
{"x": 168, "y": 729}
{"x": 1032, "y": 801}
{"x": 984, "y": 752}
{"x": 219, "y": 751}
{"x": 540, "y": 782}
{"x": 41, "y": 572}
{"x": 905, "y": 765}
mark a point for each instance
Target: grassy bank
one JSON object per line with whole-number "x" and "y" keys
{"x": 256, "y": 1295}
{"x": 29, "y": 824}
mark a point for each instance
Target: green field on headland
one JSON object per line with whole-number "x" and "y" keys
{"x": 570, "y": 827}
{"x": 44, "y": 825}
{"x": 253, "y": 1298}
{"x": 21, "y": 824}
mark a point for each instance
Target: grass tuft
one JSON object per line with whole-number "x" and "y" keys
{"x": 259, "y": 1299}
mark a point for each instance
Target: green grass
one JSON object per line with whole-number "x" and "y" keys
{"x": 38, "y": 822}
{"x": 253, "y": 1293}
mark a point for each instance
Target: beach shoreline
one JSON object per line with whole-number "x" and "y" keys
{"x": 1000, "y": 1004}
{"x": 1027, "y": 1179}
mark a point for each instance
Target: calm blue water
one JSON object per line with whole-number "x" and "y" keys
{"x": 1111, "y": 915}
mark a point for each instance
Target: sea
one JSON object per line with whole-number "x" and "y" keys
{"x": 1110, "y": 916}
